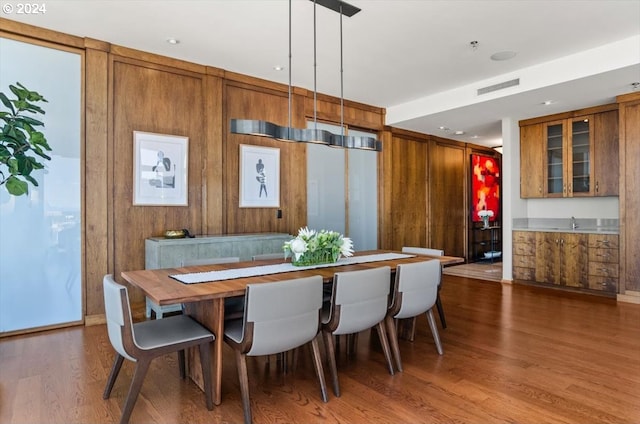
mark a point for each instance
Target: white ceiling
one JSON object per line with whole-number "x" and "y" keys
{"x": 412, "y": 57}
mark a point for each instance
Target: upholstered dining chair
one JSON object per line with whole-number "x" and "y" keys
{"x": 144, "y": 341}
{"x": 160, "y": 310}
{"x": 430, "y": 252}
{"x": 359, "y": 301}
{"x": 415, "y": 290}
{"x": 268, "y": 330}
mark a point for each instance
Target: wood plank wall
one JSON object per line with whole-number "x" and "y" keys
{"x": 127, "y": 90}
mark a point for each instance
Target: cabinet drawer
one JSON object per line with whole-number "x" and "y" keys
{"x": 524, "y": 261}
{"x": 527, "y": 249}
{"x": 603, "y": 241}
{"x": 603, "y": 255}
{"x": 603, "y": 269}
{"x": 608, "y": 284}
{"x": 527, "y": 274}
{"x": 528, "y": 237}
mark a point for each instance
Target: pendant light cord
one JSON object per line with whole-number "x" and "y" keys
{"x": 341, "y": 81}
{"x": 315, "y": 71}
{"x": 289, "y": 126}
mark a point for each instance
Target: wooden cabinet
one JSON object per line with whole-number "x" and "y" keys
{"x": 562, "y": 259}
{"x": 485, "y": 243}
{"x": 603, "y": 262}
{"x": 532, "y": 161}
{"x": 570, "y": 155}
{"x": 587, "y": 262}
{"x": 524, "y": 255}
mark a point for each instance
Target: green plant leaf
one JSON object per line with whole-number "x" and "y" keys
{"x": 16, "y": 187}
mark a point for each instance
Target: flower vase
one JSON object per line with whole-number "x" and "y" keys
{"x": 316, "y": 258}
{"x": 485, "y": 222}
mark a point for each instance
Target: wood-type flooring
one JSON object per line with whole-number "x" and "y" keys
{"x": 512, "y": 354}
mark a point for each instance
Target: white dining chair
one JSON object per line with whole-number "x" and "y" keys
{"x": 359, "y": 301}
{"x": 160, "y": 310}
{"x": 414, "y": 293}
{"x": 144, "y": 341}
{"x": 268, "y": 330}
{"x": 429, "y": 252}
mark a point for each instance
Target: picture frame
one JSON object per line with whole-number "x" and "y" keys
{"x": 485, "y": 186}
{"x": 259, "y": 177}
{"x": 160, "y": 169}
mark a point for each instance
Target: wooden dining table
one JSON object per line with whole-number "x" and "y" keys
{"x": 204, "y": 301}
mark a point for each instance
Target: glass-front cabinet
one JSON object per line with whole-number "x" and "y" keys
{"x": 569, "y": 145}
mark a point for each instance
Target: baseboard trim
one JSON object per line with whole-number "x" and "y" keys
{"x": 629, "y": 297}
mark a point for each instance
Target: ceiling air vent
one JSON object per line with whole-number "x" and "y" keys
{"x": 500, "y": 86}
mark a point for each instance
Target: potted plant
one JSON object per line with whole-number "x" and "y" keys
{"x": 21, "y": 145}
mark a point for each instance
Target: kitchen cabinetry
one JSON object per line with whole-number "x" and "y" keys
{"x": 583, "y": 261}
{"x": 570, "y": 155}
{"x": 524, "y": 255}
{"x": 562, "y": 259}
{"x": 603, "y": 262}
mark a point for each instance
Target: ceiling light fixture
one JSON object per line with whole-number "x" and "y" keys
{"x": 268, "y": 129}
{"x": 173, "y": 40}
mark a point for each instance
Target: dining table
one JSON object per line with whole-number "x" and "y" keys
{"x": 202, "y": 289}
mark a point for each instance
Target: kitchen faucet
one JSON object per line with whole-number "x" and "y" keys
{"x": 574, "y": 225}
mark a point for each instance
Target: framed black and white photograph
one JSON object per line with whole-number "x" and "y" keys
{"x": 259, "y": 177}
{"x": 160, "y": 169}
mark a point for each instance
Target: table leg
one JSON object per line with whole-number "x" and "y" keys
{"x": 209, "y": 313}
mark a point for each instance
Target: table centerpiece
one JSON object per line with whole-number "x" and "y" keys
{"x": 311, "y": 247}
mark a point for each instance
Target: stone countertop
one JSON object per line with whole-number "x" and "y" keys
{"x": 563, "y": 225}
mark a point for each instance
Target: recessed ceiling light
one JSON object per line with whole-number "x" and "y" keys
{"x": 444, "y": 128}
{"x": 505, "y": 55}
{"x": 173, "y": 41}
{"x": 459, "y": 132}
{"x": 547, "y": 102}
{"x": 278, "y": 68}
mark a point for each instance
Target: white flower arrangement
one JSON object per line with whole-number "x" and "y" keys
{"x": 312, "y": 247}
{"x": 484, "y": 213}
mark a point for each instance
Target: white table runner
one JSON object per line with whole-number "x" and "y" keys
{"x": 229, "y": 274}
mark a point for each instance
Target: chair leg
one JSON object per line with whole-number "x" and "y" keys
{"x": 434, "y": 330}
{"x": 317, "y": 362}
{"x": 205, "y": 361}
{"x": 385, "y": 346}
{"x": 142, "y": 365}
{"x": 393, "y": 340}
{"x": 440, "y": 310}
{"x": 181, "y": 364}
{"x": 115, "y": 370}
{"x": 241, "y": 364}
{"x": 331, "y": 358}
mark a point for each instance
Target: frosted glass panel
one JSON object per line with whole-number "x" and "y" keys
{"x": 363, "y": 195}
{"x": 40, "y": 255}
{"x": 325, "y": 185}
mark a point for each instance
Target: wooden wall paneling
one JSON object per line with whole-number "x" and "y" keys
{"x": 212, "y": 170}
{"x": 355, "y": 114}
{"x": 629, "y": 119}
{"x": 243, "y": 101}
{"x": 96, "y": 183}
{"x": 448, "y": 204}
{"x": 152, "y": 98}
{"x": 385, "y": 165}
{"x": 409, "y": 192}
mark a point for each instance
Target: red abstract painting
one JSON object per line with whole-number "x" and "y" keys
{"x": 485, "y": 187}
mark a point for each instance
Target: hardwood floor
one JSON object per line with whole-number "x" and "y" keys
{"x": 478, "y": 270}
{"x": 512, "y": 354}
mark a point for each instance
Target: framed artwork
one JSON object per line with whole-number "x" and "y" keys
{"x": 259, "y": 177}
{"x": 160, "y": 169}
{"x": 485, "y": 187}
